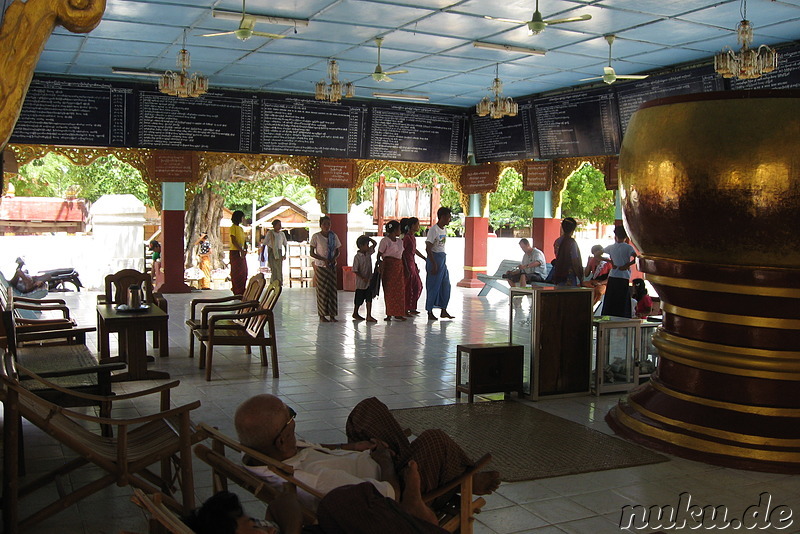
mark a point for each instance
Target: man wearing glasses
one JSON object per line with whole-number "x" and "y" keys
{"x": 376, "y": 452}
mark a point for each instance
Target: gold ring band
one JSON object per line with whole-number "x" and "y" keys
{"x": 730, "y": 406}
{"x": 741, "y": 320}
{"x": 718, "y": 287}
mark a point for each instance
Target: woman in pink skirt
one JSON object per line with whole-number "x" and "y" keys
{"x": 410, "y": 227}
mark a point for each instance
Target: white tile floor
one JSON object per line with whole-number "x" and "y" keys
{"x": 327, "y": 368}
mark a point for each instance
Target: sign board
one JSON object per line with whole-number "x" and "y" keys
{"x": 173, "y": 166}
{"x": 479, "y": 179}
{"x": 612, "y": 173}
{"x": 538, "y": 176}
{"x": 336, "y": 172}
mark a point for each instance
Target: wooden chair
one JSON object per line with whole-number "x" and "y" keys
{"x": 251, "y": 296}
{"x": 241, "y": 329}
{"x": 162, "y": 519}
{"x": 43, "y": 320}
{"x": 116, "y": 292}
{"x": 162, "y": 438}
{"x": 455, "y": 515}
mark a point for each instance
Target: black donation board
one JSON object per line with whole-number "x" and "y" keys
{"x": 786, "y": 76}
{"x": 406, "y": 132}
{"x": 631, "y": 95}
{"x": 579, "y": 123}
{"x": 506, "y": 138}
{"x": 104, "y": 113}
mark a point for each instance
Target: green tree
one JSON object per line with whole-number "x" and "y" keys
{"x": 240, "y": 195}
{"x": 53, "y": 175}
{"x": 586, "y": 197}
{"x": 448, "y": 195}
{"x": 510, "y": 205}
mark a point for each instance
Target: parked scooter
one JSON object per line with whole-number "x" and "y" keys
{"x": 54, "y": 278}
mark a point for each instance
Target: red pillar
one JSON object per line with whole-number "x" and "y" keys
{"x": 339, "y": 227}
{"x": 545, "y": 232}
{"x": 476, "y": 231}
{"x": 172, "y": 253}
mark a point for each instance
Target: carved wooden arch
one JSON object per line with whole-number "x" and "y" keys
{"x": 367, "y": 167}
{"x": 563, "y": 168}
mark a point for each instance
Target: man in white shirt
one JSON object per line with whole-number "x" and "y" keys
{"x": 437, "y": 281}
{"x": 532, "y": 268}
{"x": 276, "y": 247}
{"x": 377, "y": 450}
{"x": 617, "y": 300}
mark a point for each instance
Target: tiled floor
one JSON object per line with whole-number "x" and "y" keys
{"x": 326, "y": 368}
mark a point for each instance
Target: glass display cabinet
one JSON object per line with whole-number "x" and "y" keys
{"x": 624, "y": 353}
{"x": 554, "y": 325}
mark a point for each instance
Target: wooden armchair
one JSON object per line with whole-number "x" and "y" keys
{"x": 245, "y": 328}
{"x": 456, "y": 515}
{"x": 116, "y": 292}
{"x": 40, "y": 320}
{"x": 162, "y": 519}
{"x": 251, "y": 295}
{"x": 161, "y": 438}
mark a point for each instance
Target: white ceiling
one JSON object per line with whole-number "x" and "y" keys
{"x": 432, "y": 39}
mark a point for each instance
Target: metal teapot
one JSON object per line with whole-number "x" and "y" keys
{"x": 135, "y": 296}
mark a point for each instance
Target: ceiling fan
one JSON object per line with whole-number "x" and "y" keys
{"x": 245, "y": 30}
{"x": 380, "y": 75}
{"x": 609, "y": 75}
{"x": 537, "y": 24}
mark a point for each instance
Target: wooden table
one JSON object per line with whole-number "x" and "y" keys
{"x": 132, "y": 328}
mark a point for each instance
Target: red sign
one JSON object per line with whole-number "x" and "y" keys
{"x": 336, "y": 172}
{"x": 479, "y": 178}
{"x": 174, "y": 165}
{"x": 538, "y": 176}
{"x": 612, "y": 173}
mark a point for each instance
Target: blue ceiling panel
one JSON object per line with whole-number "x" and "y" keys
{"x": 557, "y": 60}
{"x": 278, "y": 61}
{"x": 388, "y": 56}
{"x": 598, "y": 47}
{"x": 301, "y": 9}
{"x": 337, "y": 33}
{"x": 65, "y": 43}
{"x": 759, "y": 13}
{"x": 373, "y": 14}
{"x": 674, "y": 55}
{"x": 552, "y": 38}
{"x": 606, "y": 20}
{"x": 56, "y": 57}
{"x": 785, "y": 31}
{"x": 110, "y": 29}
{"x": 421, "y": 42}
{"x": 516, "y": 9}
{"x": 668, "y": 8}
{"x": 124, "y": 48}
{"x": 455, "y": 25}
{"x": 52, "y": 67}
{"x": 305, "y": 48}
{"x": 151, "y": 13}
{"x": 674, "y": 32}
{"x": 448, "y": 63}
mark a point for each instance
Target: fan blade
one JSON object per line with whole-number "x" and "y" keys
{"x": 593, "y": 78}
{"x": 570, "y": 19}
{"x": 390, "y": 72}
{"x": 501, "y": 19}
{"x": 631, "y": 77}
{"x": 270, "y": 35}
{"x": 384, "y": 78}
{"x": 248, "y": 21}
{"x": 216, "y": 34}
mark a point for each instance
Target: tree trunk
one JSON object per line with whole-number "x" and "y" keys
{"x": 205, "y": 211}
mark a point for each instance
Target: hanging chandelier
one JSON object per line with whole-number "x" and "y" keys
{"x": 747, "y": 63}
{"x": 180, "y": 83}
{"x": 335, "y": 90}
{"x": 498, "y": 107}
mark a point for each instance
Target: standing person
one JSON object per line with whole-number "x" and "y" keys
{"x": 204, "y": 253}
{"x": 532, "y": 268}
{"x": 238, "y": 254}
{"x": 567, "y": 267}
{"x": 617, "y": 301}
{"x": 390, "y": 254}
{"x": 437, "y": 281}
{"x": 276, "y": 248}
{"x": 362, "y": 267}
{"x": 413, "y": 280}
{"x": 325, "y": 247}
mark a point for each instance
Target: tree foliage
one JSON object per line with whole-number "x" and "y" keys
{"x": 448, "y": 195}
{"x": 585, "y": 197}
{"x": 53, "y": 175}
{"x": 240, "y": 195}
{"x": 510, "y": 205}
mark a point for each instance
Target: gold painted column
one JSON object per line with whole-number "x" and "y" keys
{"x": 711, "y": 197}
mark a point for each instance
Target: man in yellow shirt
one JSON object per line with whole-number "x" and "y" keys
{"x": 237, "y": 254}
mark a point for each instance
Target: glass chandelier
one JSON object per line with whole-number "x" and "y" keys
{"x": 747, "y": 63}
{"x": 498, "y": 107}
{"x": 180, "y": 83}
{"x": 335, "y": 90}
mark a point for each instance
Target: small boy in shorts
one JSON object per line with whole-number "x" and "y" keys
{"x": 362, "y": 267}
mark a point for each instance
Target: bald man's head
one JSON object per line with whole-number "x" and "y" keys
{"x": 261, "y": 423}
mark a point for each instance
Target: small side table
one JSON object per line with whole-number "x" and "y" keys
{"x": 488, "y": 368}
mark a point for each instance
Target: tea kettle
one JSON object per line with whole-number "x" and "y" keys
{"x": 135, "y": 296}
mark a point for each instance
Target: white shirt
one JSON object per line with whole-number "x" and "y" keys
{"x": 320, "y": 245}
{"x": 325, "y": 470}
{"x": 620, "y": 254}
{"x": 535, "y": 255}
{"x": 391, "y": 249}
{"x": 436, "y": 235}
{"x": 275, "y": 241}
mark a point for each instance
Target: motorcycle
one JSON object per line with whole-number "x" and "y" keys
{"x": 59, "y": 277}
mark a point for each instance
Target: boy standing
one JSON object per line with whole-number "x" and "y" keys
{"x": 362, "y": 267}
{"x": 437, "y": 282}
{"x": 617, "y": 301}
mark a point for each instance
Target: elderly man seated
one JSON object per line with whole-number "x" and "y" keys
{"x": 376, "y": 452}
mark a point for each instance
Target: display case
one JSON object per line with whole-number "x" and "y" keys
{"x": 623, "y": 352}
{"x": 554, "y": 325}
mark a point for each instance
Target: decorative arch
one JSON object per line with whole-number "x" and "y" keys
{"x": 564, "y": 167}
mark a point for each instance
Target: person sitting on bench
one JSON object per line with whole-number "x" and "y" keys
{"x": 531, "y": 269}
{"x": 376, "y": 452}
